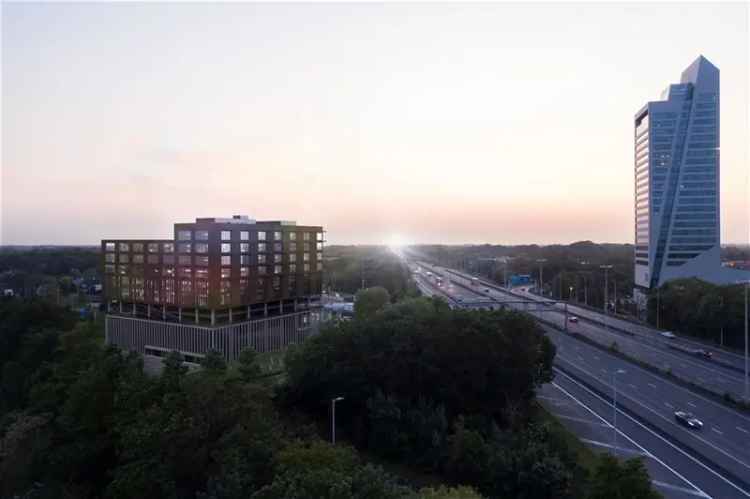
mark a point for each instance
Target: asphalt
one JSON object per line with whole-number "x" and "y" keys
{"x": 713, "y": 462}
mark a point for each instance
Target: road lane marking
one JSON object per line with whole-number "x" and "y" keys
{"x": 652, "y": 385}
{"x": 669, "y": 405}
{"x": 677, "y": 488}
{"x": 716, "y": 430}
{"x": 631, "y": 385}
{"x": 692, "y": 405}
{"x": 742, "y": 430}
{"x": 596, "y": 357}
{"x": 610, "y": 446}
{"x": 676, "y": 473}
{"x": 581, "y": 420}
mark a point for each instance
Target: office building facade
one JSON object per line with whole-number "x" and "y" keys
{"x": 223, "y": 283}
{"x": 677, "y": 173}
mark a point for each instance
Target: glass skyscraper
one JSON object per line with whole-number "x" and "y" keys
{"x": 677, "y": 182}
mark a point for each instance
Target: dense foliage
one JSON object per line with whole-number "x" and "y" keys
{"x": 88, "y": 423}
{"x": 448, "y": 391}
{"x": 701, "y": 309}
{"x": 351, "y": 268}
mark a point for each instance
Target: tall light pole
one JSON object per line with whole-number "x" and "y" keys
{"x": 606, "y": 292}
{"x": 614, "y": 406}
{"x": 333, "y": 418}
{"x": 541, "y": 261}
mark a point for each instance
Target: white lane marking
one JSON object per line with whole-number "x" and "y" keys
{"x": 610, "y": 446}
{"x": 676, "y": 488}
{"x": 692, "y": 405}
{"x": 652, "y": 385}
{"x": 604, "y": 371}
{"x": 580, "y": 420}
{"x": 716, "y": 430}
{"x": 669, "y": 405}
{"x": 551, "y": 399}
{"x": 688, "y": 432}
{"x": 619, "y": 432}
{"x": 596, "y": 357}
{"x": 631, "y": 385}
{"x": 580, "y": 357}
{"x": 742, "y": 429}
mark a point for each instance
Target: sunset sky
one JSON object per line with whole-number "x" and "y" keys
{"x": 501, "y": 123}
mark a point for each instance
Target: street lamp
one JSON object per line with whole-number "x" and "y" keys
{"x": 606, "y": 290}
{"x": 747, "y": 285}
{"x": 541, "y": 261}
{"x": 570, "y": 293}
{"x": 333, "y": 418}
{"x": 614, "y": 406}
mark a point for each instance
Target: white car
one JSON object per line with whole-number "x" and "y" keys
{"x": 668, "y": 334}
{"x": 573, "y": 318}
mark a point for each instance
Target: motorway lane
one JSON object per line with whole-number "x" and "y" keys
{"x": 708, "y": 374}
{"x": 724, "y": 439}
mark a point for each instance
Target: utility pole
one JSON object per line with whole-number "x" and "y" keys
{"x": 333, "y": 418}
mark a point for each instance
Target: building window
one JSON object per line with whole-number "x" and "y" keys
{"x": 244, "y": 235}
{"x": 292, "y": 257}
{"x": 319, "y": 256}
{"x": 276, "y": 283}
{"x": 138, "y": 258}
{"x": 109, "y": 269}
{"x": 319, "y": 246}
{"x": 261, "y": 236}
{"x": 277, "y": 236}
{"x": 307, "y": 267}
{"x": 260, "y": 290}
{"x": 261, "y": 258}
{"x": 201, "y": 273}
{"x": 319, "y": 266}
{"x": 201, "y": 289}
{"x": 277, "y": 269}
{"x": 292, "y": 247}
{"x": 167, "y": 259}
{"x": 184, "y": 247}
{"x": 292, "y": 236}
{"x": 226, "y": 272}
{"x": 244, "y": 271}
{"x": 244, "y": 248}
{"x": 226, "y": 248}
{"x": 137, "y": 247}
{"x": 184, "y": 235}
{"x": 319, "y": 236}
{"x": 277, "y": 258}
{"x": 261, "y": 270}
{"x": 277, "y": 247}
{"x": 306, "y": 236}
{"x": 226, "y": 260}
{"x": 261, "y": 247}
{"x": 292, "y": 268}
{"x": 124, "y": 247}
{"x": 201, "y": 235}
{"x": 306, "y": 257}
{"x": 109, "y": 246}
{"x": 152, "y": 259}
{"x": 202, "y": 261}
{"x": 201, "y": 247}
{"x": 123, "y": 269}
{"x": 244, "y": 259}
{"x": 186, "y": 272}
{"x": 185, "y": 260}
{"x": 109, "y": 258}
{"x": 124, "y": 258}
{"x": 226, "y": 235}
{"x": 153, "y": 247}
{"x": 168, "y": 247}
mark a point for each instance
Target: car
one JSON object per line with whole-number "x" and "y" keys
{"x": 706, "y": 354}
{"x": 688, "y": 419}
{"x": 573, "y": 318}
{"x": 668, "y": 334}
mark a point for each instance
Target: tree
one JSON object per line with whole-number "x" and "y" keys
{"x": 444, "y": 492}
{"x": 213, "y": 362}
{"x": 369, "y": 301}
{"x": 248, "y": 364}
{"x": 615, "y": 480}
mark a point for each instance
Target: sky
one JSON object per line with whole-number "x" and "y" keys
{"x": 414, "y": 123}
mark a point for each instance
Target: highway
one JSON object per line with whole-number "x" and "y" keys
{"x": 714, "y": 462}
{"x": 653, "y": 349}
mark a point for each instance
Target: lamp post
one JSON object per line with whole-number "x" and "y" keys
{"x": 333, "y": 418}
{"x": 541, "y": 261}
{"x": 606, "y": 292}
{"x": 614, "y": 406}
{"x": 747, "y": 285}
{"x": 570, "y": 293}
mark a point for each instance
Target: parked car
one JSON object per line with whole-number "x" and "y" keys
{"x": 669, "y": 335}
{"x": 573, "y": 318}
{"x": 688, "y": 419}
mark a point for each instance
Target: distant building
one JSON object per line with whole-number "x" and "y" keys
{"x": 220, "y": 283}
{"x": 676, "y": 175}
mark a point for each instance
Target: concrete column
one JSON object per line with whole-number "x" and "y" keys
{"x": 213, "y": 317}
{"x": 164, "y": 312}
{"x": 281, "y": 307}
{"x": 109, "y": 306}
{"x": 230, "y": 315}
{"x": 197, "y": 316}
{"x": 133, "y": 309}
{"x": 265, "y": 310}
{"x": 120, "y": 303}
{"x": 148, "y": 310}
{"x": 179, "y": 314}
{"x": 248, "y": 313}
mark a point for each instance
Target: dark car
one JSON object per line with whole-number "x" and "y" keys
{"x": 704, "y": 353}
{"x": 688, "y": 419}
